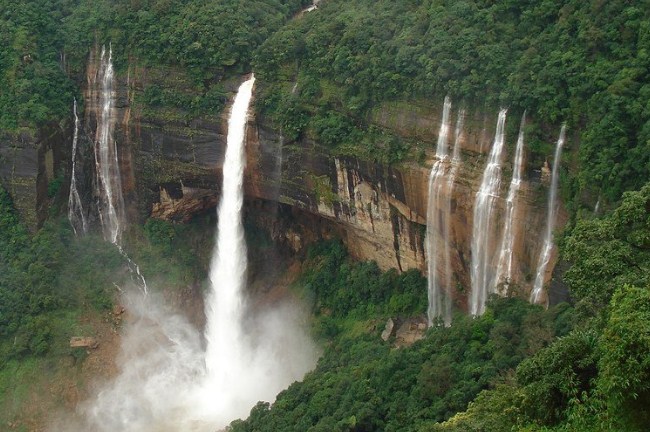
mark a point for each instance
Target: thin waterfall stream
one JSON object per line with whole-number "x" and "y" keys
{"x": 439, "y": 302}
{"x": 109, "y": 179}
{"x": 506, "y": 254}
{"x": 483, "y": 225}
{"x": 536, "y": 295}
{"x": 75, "y": 207}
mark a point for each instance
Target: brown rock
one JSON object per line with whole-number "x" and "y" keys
{"x": 83, "y": 342}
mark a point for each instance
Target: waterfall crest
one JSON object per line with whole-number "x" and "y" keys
{"x": 504, "y": 268}
{"x": 75, "y": 207}
{"x": 437, "y": 227}
{"x": 482, "y": 229}
{"x": 536, "y": 295}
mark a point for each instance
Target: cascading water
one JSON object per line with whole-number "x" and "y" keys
{"x": 75, "y": 208}
{"x": 439, "y": 301}
{"x": 240, "y": 368}
{"x": 109, "y": 180}
{"x": 167, "y": 381}
{"x": 460, "y": 121}
{"x": 504, "y": 268}
{"x": 482, "y": 230}
{"x": 445, "y": 218}
{"x": 225, "y": 304}
{"x": 545, "y": 256}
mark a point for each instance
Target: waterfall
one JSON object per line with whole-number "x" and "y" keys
{"x": 169, "y": 381}
{"x": 75, "y": 208}
{"x": 504, "y": 268}
{"x": 459, "y": 130}
{"x": 482, "y": 230}
{"x": 109, "y": 180}
{"x": 439, "y": 301}
{"x": 228, "y": 268}
{"x": 445, "y": 218}
{"x": 547, "y": 248}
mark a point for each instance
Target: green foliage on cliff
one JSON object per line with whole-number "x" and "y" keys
{"x": 45, "y": 43}
{"x": 344, "y": 288}
{"x": 517, "y": 367}
{"x": 364, "y": 384}
{"x": 206, "y": 38}
{"x": 35, "y": 89}
{"x": 584, "y": 63}
{"x": 610, "y": 252}
{"x": 43, "y": 277}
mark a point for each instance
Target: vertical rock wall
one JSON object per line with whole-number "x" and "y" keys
{"x": 171, "y": 167}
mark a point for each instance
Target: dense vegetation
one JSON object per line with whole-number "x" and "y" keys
{"x": 584, "y": 63}
{"x": 343, "y": 288}
{"x": 42, "y": 276}
{"x": 44, "y": 42}
{"x": 363, "y": 384}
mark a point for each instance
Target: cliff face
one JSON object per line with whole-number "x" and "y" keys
{"x": 28, "y": 163}
{"x": 171, "y": 170}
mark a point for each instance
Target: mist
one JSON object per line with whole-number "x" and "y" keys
{"x": 163, "y": 383}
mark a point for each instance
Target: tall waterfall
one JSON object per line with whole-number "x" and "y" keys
{"x": 545, "y": 256}
{"x": 504, "y": 268}
{"x": 483, "y": 227}
{"x": 228, "y": 268}
{"x": 249, "y": 357}
{"x": 109, "y": 180}
{"x": 75, "y": 208}
{"x": 445, "y": 217}
{"x": 439, "y": 301}
{"x": 168, "y": 380}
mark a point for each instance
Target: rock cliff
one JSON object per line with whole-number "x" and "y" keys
{"x": 29, "y": 162}
{"x": 170, "y": 165}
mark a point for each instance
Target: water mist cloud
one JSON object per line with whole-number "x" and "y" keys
{"x": 163, "y": 386}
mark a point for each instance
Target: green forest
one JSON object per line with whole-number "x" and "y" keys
{"x": 577, "y": 366}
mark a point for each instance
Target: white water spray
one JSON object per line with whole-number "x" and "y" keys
{"x": 75, "y": 208}
{"x": 536, "y": 295}
{"x": 437, "y": 229}
{"x": 483, "y": 226}
{"x": 504, "y": 268}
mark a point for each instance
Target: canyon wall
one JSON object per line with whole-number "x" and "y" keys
{"x": 170, "y": 165}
